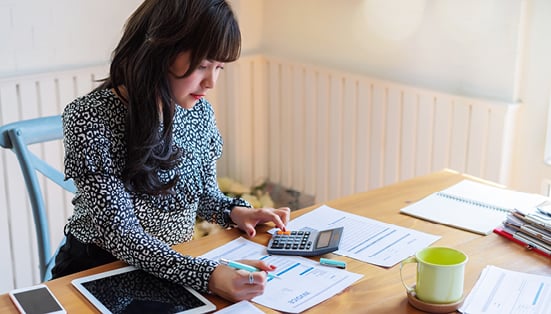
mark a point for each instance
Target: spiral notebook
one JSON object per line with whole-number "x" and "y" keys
{"x": 472, "y": 206}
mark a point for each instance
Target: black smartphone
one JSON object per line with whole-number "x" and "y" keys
{"x": 36, "y": 300}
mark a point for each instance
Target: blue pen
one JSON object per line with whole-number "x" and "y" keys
{"x": 249, "y": 268}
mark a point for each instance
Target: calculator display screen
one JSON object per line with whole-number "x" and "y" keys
{"x": 324, "y": 238}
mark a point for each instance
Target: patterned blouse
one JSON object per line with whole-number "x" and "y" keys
{"x": 139, "y": 228}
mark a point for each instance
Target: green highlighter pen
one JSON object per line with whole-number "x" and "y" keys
{"x": 249, "y": 268}
{"x": 332, "y": 263}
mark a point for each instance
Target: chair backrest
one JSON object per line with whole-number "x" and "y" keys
{"x": 17, "y": 136}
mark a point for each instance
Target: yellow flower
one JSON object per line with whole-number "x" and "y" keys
{"x": 230, "y": 186}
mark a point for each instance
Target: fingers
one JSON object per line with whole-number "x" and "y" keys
{"x": 262, "y": 265}
{"x": 237, "y": 285}
{"x": 248, "y": 218}
{"x": 250, "y": 230}
{"x": 258, "y": 278}
{"x": 281, "y": 217}
{"x": 253, "y": 284}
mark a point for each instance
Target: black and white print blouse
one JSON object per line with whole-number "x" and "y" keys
{"x": 139, "y": 228}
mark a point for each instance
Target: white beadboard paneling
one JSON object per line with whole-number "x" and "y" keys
{"x": 500, "y": 132}
{"x": 363, "y": 136}
{"x": 323, "y": 146}
{"x": 27, "y": 97}
{"x": 25, "y": 263}
{"x": 365, "y": 133}
{"x": 273, "y": 124}
{"x": 6, "y": 234}
{"x": 460, "y": 126}
{"x": 349, "y": 125}
{"x": 243, "y": 118}
{"x": 439, "y": 109}
{"x": 234, "y": 123}
{"x": 377, "y": 125}
{"x": 310, "y": 145}
{"x": 393, "y": 135}
{"x": 424, "y": 133}
{"x": 409, "y": 125}
{"x": 296, "y": 123}
{"x": 285, "y": 124}
{"x": 261, "y": 142}
{"x": 335, "y": 135}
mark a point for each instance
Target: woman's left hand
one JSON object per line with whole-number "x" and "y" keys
{"x": 247, "y": 218}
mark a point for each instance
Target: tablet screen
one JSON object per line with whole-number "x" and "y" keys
{"x": 130, "y": 290}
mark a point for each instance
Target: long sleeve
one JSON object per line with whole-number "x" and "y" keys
{"x": 136, "y": 228}
{"x": 111, "y": 209}
{"x": 213, "y": 203}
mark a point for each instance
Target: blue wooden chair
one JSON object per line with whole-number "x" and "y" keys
{"x": 17, "y": 136}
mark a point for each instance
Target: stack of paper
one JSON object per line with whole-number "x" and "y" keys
{"x": 530, "y": 228}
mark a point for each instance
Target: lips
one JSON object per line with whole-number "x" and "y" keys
{"x": 197, "y": 96}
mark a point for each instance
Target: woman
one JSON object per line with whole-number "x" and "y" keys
{"x": 142, "y": 150}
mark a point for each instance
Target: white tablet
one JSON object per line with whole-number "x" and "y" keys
{"x": 130, "y": 290}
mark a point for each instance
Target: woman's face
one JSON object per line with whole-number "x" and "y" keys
{"x": 188, "y": 90}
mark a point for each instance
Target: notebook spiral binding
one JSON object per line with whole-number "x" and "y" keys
{"x": 472, "y": 202}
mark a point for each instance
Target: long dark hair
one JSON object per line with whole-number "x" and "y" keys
{"x": 154, "y": 35}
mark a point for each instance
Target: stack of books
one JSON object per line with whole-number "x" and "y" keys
{"x": 530, "y": 228}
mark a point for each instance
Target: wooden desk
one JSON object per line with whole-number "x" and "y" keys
{"x": 380, "y": 290}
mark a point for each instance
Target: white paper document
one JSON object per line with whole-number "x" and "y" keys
{"x": 366, "y": 239}
{"x": 242, "y": 307}
{"x": 303, "y": 284}
{"x": 504, "y": 291}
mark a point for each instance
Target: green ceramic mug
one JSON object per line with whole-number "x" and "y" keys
{"x": 440, "y": 275}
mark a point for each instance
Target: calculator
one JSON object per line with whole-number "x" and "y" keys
{"x": 305, "y": 242}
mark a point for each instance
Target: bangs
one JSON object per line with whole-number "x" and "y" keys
{"x": 219, "y": 38}
{"x": 225, "y": 45}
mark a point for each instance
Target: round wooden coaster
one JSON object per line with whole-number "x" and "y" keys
{"x": 433, "y": 307}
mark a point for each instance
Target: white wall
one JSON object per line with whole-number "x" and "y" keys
{"x": 478, "y": 48}
{"x": 467, "y": 47}
{"x": 41, "y": 35}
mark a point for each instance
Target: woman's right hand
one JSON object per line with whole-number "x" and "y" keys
{"x": 237, "y": 285}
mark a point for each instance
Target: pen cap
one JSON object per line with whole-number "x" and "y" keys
{"x": 332, "y": 263}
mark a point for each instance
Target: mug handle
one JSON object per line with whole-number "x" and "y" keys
{"x": 411, "y": 259}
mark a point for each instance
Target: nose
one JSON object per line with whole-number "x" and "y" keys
{"x": 209, "y": 81}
